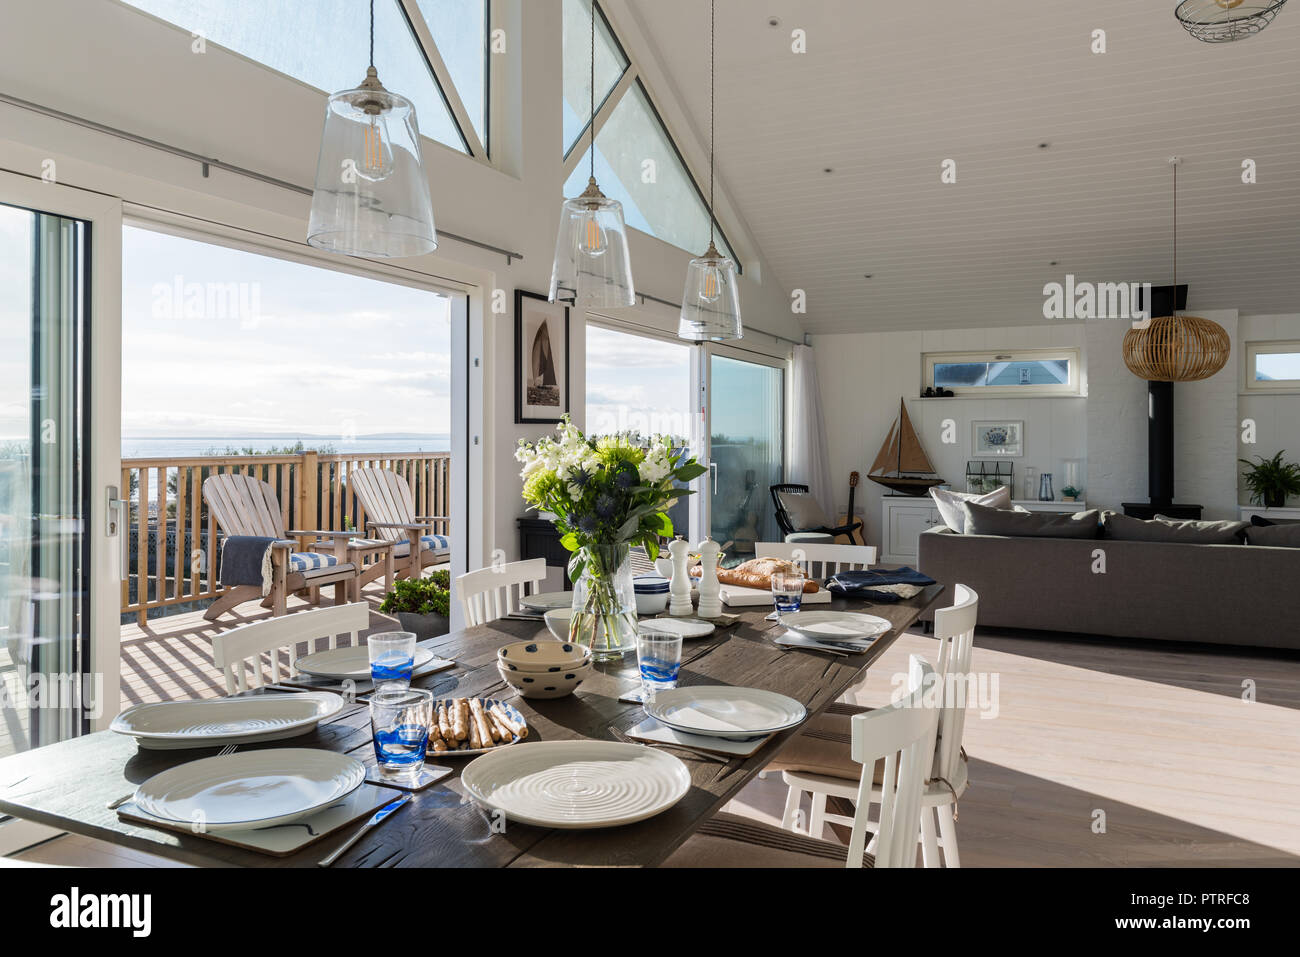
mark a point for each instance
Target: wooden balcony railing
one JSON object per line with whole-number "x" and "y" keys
{"x": 171, "y": 545}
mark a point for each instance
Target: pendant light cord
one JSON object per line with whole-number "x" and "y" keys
{"x": 372, "y": 32}
{"x": 1174, "y": 311}
{"x": 713, "y": 216}
{"x": 593, "y": 91}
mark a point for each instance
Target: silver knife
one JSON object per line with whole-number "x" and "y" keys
{"x": 377, "y": 818}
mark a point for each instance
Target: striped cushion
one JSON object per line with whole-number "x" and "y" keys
{"x": 728, "y": 840}
{"x": 307, "y": 561}
{"x": 438, "y": 544}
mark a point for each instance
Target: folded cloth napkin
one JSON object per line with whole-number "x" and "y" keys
{"x": 886, "y": 584}
{"x": 246, "y": 560}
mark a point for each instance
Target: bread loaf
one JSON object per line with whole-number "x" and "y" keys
{"x": 758, "y": 572}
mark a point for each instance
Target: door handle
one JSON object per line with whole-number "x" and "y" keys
{"x": 113, "y": 506}
{"x": 713, "y": 468}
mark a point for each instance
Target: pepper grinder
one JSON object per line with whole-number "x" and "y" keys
{"x": 710, "y": 601}
{"x": 679, "y": 590}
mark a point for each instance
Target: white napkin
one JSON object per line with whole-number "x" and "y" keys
{"x": 793, "y": 639}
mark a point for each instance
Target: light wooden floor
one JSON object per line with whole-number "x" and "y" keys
{"x": 1156, "y": 736}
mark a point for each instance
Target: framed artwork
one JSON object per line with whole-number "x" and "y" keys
{"x": 997, "y": 439}
{"x": 541, "y": 358}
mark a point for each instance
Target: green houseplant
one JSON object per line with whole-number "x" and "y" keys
{"x": 422, "y": 605}
{"x": 1271, "y": 481}
{"x": 1070, "y": 494}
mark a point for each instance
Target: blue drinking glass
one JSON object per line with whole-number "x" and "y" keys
{"x": 787, "y": 591}
{"x": 400, "y": 720}
{"x": 659, "y": 658}
{"x": 392, "y": 658}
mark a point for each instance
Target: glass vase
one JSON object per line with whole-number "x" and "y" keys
{"x": 604, "y": 602}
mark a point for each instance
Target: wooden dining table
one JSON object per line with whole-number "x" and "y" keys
{"x": 68, "y": 785}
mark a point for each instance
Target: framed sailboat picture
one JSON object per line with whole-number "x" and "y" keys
{"x": 997, "y": 440}
{"x": 541, "y": 358}
{"x": 901, "y": 465}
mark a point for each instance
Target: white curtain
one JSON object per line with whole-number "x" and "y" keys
{"x": 808, "y": 460}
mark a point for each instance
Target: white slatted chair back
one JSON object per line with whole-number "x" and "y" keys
{"x": 240, "y": 650}
{"x": 903, "y": 735}
{"x": 244, "y": 505}
{"x": 387, "y": 498}
{"x": 820, "y": 560}
{"x": 954, "y": 626}
{"x": 487, "y": 594}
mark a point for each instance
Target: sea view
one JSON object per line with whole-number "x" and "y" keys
{"x": 179, "y": 446}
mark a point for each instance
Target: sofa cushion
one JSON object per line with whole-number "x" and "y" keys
{"x": 949, "y": 504}
{"x": 1125, "y": 528}
{"x": 804, "y": 511}
{"x": 982, "y": 520}
{"x": 1278, "y": 536}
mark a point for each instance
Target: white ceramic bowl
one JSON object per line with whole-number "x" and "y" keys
{"x": 557, "y": 620}
{"x": 542, "y": 656}
{"x": 654, "y": 604}
{"x": 551, "y": 685}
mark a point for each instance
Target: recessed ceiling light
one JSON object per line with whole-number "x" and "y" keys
{"x": 827, "y": 170}
{"x": 1053, "y": 263}
{"x": 1043, "y": 146}
{"x": 866, "y": 275}
{"x": 773, "y": 21}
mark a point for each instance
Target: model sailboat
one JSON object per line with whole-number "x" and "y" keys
{"x": 901, "y": 454}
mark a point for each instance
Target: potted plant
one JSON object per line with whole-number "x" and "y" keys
{"x": 1070, "y": 494}
{"x": 1271, "y": 481}
{"x": 422, "y": 605}
{"x": 608, "y": 493}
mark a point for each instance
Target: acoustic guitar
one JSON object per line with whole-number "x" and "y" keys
{"x": 847, "y": 539}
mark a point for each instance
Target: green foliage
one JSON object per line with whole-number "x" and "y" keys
{"x": 1271, "y": 478}
{"x": 420, "y": 596}
{"x": 1070, "y": 492}
{"x": 607, "y": 490}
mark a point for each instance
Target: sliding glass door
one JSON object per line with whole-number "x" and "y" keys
{"x": 55, "y": 680}
{"x": 746, "y": 405}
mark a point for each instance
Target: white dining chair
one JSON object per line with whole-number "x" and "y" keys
{"x": 240, "y": 650}
{"x": 829, "y": 558}
{"x": 487, "y": 594}
{"x": 901, "y": 735}
{"x": 818, "y": 762}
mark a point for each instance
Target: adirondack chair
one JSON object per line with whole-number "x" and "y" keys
{"x": 243, "y": 505}
{"x": 390, "y": 516}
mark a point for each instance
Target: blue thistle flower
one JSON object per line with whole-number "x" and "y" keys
{"x": 587, "y": 524}
{"x": 626, "y": 477}
{"x": 605, "y": 505}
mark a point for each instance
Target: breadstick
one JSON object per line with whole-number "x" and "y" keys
{"x": 460, "y": 719}
{"x": 475, "y": 737}
{"x": 480, "y": 719}
{"x": 498, "y": 729}
{"x": 435, "y": 739}
{"x": 517, "y": 729}
{"x": 444, "y": 725}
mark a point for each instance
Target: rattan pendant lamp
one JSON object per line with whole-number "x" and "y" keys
{"x": 1222, "y": 21}
{"x": 1176, "y": 348}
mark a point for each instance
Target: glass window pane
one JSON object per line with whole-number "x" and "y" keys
{"x": 1277, "y": 366}
{"x": 746, "y": 429}
{"x": 1001, "y": 373}
{"x": 610, "y": 65}
{"x": 637, "y": 164}
{"x": 460, "y": 29}
{"x": 272, "y": 32}
{"x": 643, "y": 385}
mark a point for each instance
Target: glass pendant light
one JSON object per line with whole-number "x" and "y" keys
{"x": 371, "y": 196}
{"x": 711, "y": 300}
{"x": 592, "y": 266}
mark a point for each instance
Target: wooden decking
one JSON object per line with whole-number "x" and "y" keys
{"x": 170, "y": 659}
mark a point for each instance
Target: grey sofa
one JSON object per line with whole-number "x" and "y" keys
{"x": 1225, "y": 594}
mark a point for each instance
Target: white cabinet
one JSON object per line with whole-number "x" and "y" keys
{"x": 905, "y": 517}
{"x": 1274, "y": 514}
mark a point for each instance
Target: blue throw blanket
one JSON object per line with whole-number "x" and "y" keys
{"x": 870, "y": 584}
{"x": 246, "y": 560}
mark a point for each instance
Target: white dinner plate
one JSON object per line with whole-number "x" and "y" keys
{"x": 545, "y": 601}
{"x": 725, "y": 712}
{"x": 251, "y": 789}
{"x": 577, "y": 784}
{"x": 217, "y": 722}
{"x": 686, "y": 627}
{"x": 349, "y": 663}
{"x": 835, "y": 625}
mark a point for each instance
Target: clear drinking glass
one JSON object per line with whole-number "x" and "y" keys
{"x": 659, "y": 657}
{"x": 400, "y": 721}
{"x": 392, "y": 658}
{"x": 787, "y": 591}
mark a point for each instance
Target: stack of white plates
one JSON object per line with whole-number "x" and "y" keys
{"x": 352, "y": 663}
{"x": 723, "y": 711}
{"x": 835, "y": 625}
{"x": 252, "y": 789}
{"x": 216, "y": 723}
{"x": 545, "y": 601}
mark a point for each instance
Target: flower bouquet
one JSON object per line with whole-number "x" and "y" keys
{"x": 608, "y": 493}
